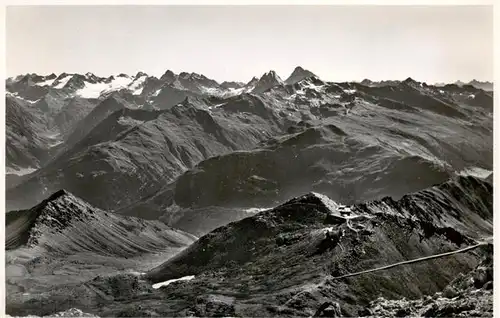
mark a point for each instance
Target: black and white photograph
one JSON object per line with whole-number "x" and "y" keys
{"x": 225, "y": 160}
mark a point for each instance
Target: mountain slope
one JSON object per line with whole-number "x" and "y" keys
{"x": 92, "y": 119}
{"x": 280, "y": 263}
{"x": 365, "y": 144}
{"x": 213, "y": 160}
{"x": 393, "y": 127}
{"x": 27, "y": 144}
{"x": 63, "y": 243}
{"x": 142, "y": 151}
{"x": 64, "y": 224}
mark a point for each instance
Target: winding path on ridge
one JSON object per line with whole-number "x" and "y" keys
{"x": 487, "y": 241}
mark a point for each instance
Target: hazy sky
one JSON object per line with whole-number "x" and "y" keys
{"x": 433, "y": 43}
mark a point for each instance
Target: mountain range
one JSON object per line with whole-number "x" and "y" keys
{"x": 115, "y": 184}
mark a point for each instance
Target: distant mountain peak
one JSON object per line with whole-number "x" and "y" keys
{"x": 168, "y": 77}
{"x": 271, "y": 73}
{"x": 409, "y": 80}
{"x": 271, "y": 76}
{"x": 197, "y": 76}
{"x": 91, "y": 77}
{"x": 62, "y": 75}
{"x": 475, "y": 81}
{"x": 184, "y": 75}
{"x": 267, "y": 81}
{"x": 253, "y": 81}
{"x": 299, "y": 74}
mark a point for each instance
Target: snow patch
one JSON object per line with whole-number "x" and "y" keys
{"x": 318, "y": 88}
{"x": 472, "y": 96}
{"x": 52, "y": 135}
{"x": 168, "y": 282}
{"x": 231, "y": 92}
{"x": 30, "y": 101}
{"x": 20, "y": 171}
{"x": 137, "y": 85}
{"x": 349, "y": 91}
{"x": 255, "y": 210}
{"x": 63, "y": 81}
{"x": 475, "y": 172}
{"x": 16, "y": 95}
{"x": 216, "y": 106}
{"x": 94, "y": 90}
{"x": 55, "y": 144}
{"x": 135, "y": 273}
{"x": 129, "y": 121}
{"x": 210, "y": 91}
{"x": 46, "y": 82}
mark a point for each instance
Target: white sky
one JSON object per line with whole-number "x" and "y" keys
{"x": 338, "y": 43}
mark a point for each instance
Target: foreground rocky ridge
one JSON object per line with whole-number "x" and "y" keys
{"x": 280, "y": 262}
